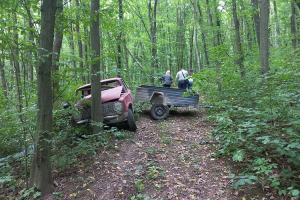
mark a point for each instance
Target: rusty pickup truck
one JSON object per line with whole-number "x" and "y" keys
{"x": 117, "y": 102}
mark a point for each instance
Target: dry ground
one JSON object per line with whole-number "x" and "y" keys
{"x": 168, "y": 159}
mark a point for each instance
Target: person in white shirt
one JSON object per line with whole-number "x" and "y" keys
{"x": 182, "y": 79}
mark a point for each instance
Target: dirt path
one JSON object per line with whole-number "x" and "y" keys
{"x": 169, "y": 159}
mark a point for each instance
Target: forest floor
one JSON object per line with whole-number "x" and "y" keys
{"x": 168, "y": 159}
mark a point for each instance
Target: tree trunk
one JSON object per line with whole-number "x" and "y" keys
{"x": 86, "y": 57}
{"x": 211, "y": 23}
{"x": 264, "y": 36}
{"x": 95, "y": 68}
{"x": 196, "y": 39}
{"x": 191, "y": 47}
{"x": 277, "y": 24}
{"x": 293, "y": 25}
{"x": 203, "y": 34}
{"x": 56, "y": 53}
{"x": 40, "y": 172}
{"x": 256, "y": 19}
{"x": 79, "y": 44}
{"x": 152, "y": 21}
{"x": 238, "y": 43}
{"x": 3, "y": 79}
{"x": 119, "y": 39}
{"x": 71, "y": 40}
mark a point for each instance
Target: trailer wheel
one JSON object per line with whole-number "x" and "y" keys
{"x": 130, "y": 121}
{"x": 159, "y": 111}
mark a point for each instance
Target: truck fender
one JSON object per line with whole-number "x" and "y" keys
{"x": 158, "y": 98}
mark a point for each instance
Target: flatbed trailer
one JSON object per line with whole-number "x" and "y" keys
{"x": 162, "y": 98}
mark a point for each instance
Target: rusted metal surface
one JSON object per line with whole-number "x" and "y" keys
{"x": 172, "y": 96}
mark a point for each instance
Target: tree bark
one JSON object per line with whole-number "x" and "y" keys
{"x": 256, "y": 19}
{"x": 56, "y": 52}
{"x": 264, "y": 36}
{"x": 277, "y": 23}
{"x": 238, "y": 43}
{"x": 211, "y": 23}
{"x": 80, "y": 52}
{"x": 71, "y": 40}
{"x": 3, "y": 79}
{"x": 86, "y": 57}
{"x": 95, "y": 68}
{"x": 293, "y": 26}
{"x": 203, "y": 34}
{"x": 191, "y": 46}
{"x": 40, "y": 172}
{"x": 152, "y": 21}
{"x": 119, "y": 39}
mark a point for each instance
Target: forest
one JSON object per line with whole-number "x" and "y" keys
{"x": 244, "y": 54}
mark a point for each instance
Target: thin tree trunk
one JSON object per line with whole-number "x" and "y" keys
{"x": 86, "y": 57}
{"x": 211, "y": 23}
{"x": 3, "y": 79}
{"x": 71, "y": 40}
{"x": 40, "y": 171}
{"x": 277, "y": 23}
{"x": 264, "y": 36}
{"x": 293, "y": 26}
{"x": 152, "y": 21}
{"x": 238, "y": 43}
{"x": 95, "y": 68}
{"x": 191, "y": 47}
{"x": 203, "y": 34}
{"x": 256, "y": 19}
{"x": 56, "y": 53}
{"x": 79, "y": 44}
{"x": 196, "y": 39}
{"x": 119, "y": 39}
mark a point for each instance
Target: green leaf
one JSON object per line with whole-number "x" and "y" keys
{"x": 36, "y": 194}
{"x": 295, "y": 192}
{"x": 238, "y": 155}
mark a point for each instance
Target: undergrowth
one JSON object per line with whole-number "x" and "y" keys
{"x": 258, "y": 121}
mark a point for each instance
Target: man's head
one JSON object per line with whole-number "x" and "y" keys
{"x": 168, "y": 72}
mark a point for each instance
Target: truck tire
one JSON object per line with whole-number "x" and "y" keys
{"x": 159, "y": 111}
{"x": 130, "y": 121}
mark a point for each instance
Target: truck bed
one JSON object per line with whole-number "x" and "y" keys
{"x": 173, "y": 96}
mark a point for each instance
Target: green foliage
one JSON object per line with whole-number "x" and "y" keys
{"x": 258, "y": 120}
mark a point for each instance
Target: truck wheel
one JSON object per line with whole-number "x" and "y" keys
{"x": 159, "y": 111}
{"x": 130, "y": 121}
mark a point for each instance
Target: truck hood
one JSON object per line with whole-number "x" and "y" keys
{"x": 108, "y": 95}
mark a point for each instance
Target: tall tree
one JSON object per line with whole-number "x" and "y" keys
{"x": 79, "y": 41}
{"x": 95, "y": 67}
{"x": 56, "y": 49}
{"x": 264, "y": 36}
{"x": 40, "y": 172}
{"x": 293, "y": 25}
{"x": 3, "y": 79}
{"x": 238, "y": 43}
{"x": 203, "y": 34}
{"x": 276, "y": 23}
{"x": 152, "y": 21}
{"x": 119, "y": 39}
{"x": 256, "y": 19}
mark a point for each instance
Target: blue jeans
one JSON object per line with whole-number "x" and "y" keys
{"x": 182, "y": 84}
{"x": 190, "y": 84}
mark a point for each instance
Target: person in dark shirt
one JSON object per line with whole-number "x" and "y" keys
{"x": 167, "y": 79}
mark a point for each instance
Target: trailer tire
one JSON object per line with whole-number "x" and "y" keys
{"x": 130, "y": 121}
{"x": 159, "y": 111}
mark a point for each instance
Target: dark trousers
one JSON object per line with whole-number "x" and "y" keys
{"x": 166, "y": 85}
{"x": 182, "y": 84}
